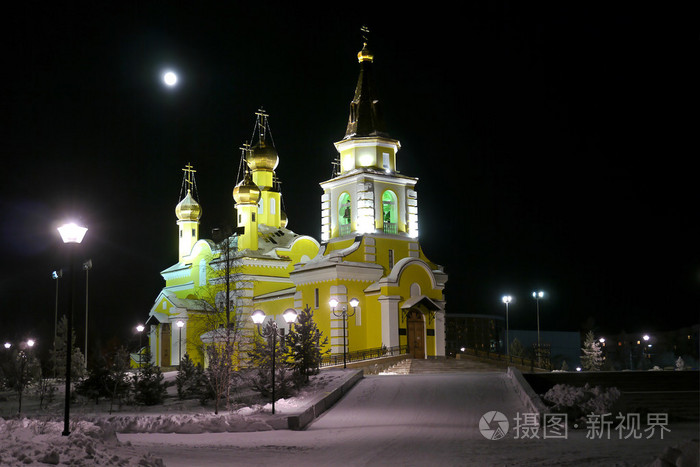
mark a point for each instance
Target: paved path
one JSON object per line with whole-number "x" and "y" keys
{"x": 409, "y": 420}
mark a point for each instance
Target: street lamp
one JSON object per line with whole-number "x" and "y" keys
{"x": 273, "y": 332}
{"x": 344, "y": 315}
{"x": 180, "y": 323}
{"x": 20, "y": 362}
{"x": 87, "y": 265}
{"x": 139, "y": 329}
{"x": 507, "y": 299}
{"x": 537, "y": 295}
{"x": 71, "y": 234}
{"x": 56, "y": 275}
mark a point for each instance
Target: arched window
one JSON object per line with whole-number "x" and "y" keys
{"x": 389, "y": 212}
{"x": 344, "y": 214}
{"x": 261, "y": 207}
{"x": 272, "y": 206}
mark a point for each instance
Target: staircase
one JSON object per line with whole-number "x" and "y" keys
{"x": 401, "y": 368}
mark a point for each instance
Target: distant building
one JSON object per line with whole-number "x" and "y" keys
{"x": 369, "y": 251}
{"x": 473, "y": 331}
{"x": 564, "y": 346}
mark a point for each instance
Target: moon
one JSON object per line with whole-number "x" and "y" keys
{"x": 170, "y": 78}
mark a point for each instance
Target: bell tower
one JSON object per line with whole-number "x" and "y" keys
{"x": 367, "y": 194}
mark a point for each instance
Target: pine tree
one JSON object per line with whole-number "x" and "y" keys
{"x": 149, "y": 388}
{"x": 516, "y": 348}
{"x": 192, "y": 381}
{"x": 592, "y": 358}
{"x": 57, "y": 355}
{"x": 261, "y": 357}
{"x": 304, "y": 346}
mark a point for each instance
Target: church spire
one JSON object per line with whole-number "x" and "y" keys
{"x": 365, "y": 113}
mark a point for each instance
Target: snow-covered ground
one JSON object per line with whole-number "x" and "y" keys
{"x": 385, "y": 420}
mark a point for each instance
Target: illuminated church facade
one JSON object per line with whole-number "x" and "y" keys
{"x": 367, "y": 282}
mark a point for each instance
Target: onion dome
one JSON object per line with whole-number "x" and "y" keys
{"x": 365, "y": 55}
{"x": 188, "y": 209}
{"x": 263, "y": 157}
{"x": 283, "y": 219}
{"x": 246, "y": 192}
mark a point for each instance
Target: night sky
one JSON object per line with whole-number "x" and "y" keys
{"x": 552, "y": 144}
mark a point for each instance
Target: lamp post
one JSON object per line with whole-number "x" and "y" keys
{"x": 21, "y": 367}
{"x": 507, "y": 299}
{"x": 273, "y": 332}
{"x": 537, "y": 295}
{"x": 56, "y": 275}
{"x": 139, "y": 329}
{"x": 180, "y": 323}
{"x": 344, "y": 315}
{"x": 71, "y": 234}
{"x": 87, "y": 265}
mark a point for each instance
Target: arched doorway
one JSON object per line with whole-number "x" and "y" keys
{"x": 415, "y": 332}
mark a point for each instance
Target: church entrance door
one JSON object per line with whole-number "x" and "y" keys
{"x": 165, "y": 344}
{"x": 415, "y": 333}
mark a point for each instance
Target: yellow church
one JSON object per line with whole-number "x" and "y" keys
{"x": 367, "y": 282}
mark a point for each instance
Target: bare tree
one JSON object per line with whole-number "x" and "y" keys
{"x": 218, "y": 323}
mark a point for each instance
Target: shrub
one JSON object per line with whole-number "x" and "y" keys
{"x": 577, "y": 402}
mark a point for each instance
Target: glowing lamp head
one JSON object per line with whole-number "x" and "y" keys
{"x": 290, "y": 316}
{"x": 354, "y": 302}
{"x": 645, "y": 337}
{"x": 333, "y": 302}
{"x": 140, "y": 328}
{"x": 507, "y": 299}
{"x": 180, "y": 323}
{"x": 538, "y": 294}
{"x": 30, "y": 342}
{"x": 258, "y": 316}
{"x": 7, "y": 345}
{"x": 72, "y": 233}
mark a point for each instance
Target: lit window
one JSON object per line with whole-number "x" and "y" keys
{"x": 344, "y": 214}
{"x": 389, "y": 212}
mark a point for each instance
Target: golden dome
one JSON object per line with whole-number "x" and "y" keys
{"x": 365, "y": 54}
{"x": 283, "y": 219}
{"x": 263, "y": 157}
{"x": 246, "y": 192}
{"x": 188, "y": 209}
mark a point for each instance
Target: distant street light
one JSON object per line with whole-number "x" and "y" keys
{"x": 537, "y": 295}
{"x": 21, "y": 365}
{"x": 273, "y": 332}
{"x": 71, "y": 234}
{"x": 507, "y": 299}
{"x": 87, "y": 265}
{"x": 180, "y": 323}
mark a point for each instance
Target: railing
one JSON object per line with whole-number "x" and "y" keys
{"x": 390, "y": 227}
{"x": 345, "y": 229}
{"x": 361, "y": 355}
{"x": 517, "y": 360}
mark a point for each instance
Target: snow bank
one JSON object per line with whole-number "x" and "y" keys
{"x": 39, "y": 442}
